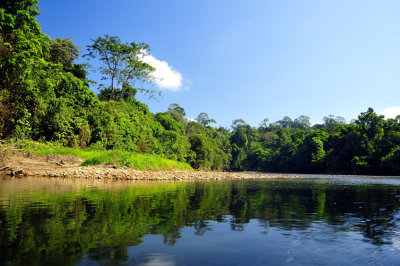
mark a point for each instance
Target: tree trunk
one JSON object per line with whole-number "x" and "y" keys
{"x": 124, "y": 81}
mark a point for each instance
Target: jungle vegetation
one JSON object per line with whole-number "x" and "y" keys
{"x": 45, "y": 97}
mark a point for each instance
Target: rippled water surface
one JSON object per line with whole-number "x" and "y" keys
{"x": 310, "y": 220}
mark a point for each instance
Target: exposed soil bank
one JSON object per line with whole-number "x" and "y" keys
{"x": 20, "y": 163}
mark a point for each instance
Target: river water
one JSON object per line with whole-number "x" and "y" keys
{"x": 298, "y": 221}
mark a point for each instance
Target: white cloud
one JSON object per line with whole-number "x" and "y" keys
{"x": 165, "y": 77}
{"x": 191, "y": 119}
{"x": 391, "y": 112}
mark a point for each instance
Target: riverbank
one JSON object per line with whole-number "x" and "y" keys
{"x": 22, "y": 163}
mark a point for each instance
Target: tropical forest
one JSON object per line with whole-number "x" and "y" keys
{"x": 46, "y": 97}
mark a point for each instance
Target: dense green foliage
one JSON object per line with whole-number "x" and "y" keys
{"x": 45, "y": 96}
{"x": 368, "y": 145}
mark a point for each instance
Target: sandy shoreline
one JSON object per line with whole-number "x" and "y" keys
{"x": 64, "y": 166}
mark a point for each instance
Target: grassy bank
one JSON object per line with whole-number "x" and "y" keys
{"x": 122, "y": 158}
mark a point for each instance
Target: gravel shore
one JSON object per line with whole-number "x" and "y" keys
{"x": 106, "y": 172}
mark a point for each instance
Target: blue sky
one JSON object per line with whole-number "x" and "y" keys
{"x": 253, "y": 59}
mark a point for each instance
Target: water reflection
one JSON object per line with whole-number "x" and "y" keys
{"x": 284, "y": 221}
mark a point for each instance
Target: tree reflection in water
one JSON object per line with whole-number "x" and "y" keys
{"x": 43, "y": 225}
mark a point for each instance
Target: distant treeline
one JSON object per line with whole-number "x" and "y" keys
{"x": 45, "y": 96}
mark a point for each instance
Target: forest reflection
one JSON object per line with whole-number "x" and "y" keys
{"x": 40, "y": 221}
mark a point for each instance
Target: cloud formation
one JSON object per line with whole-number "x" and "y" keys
{"x": 165, "y": 77}
{"x": 391, "y": 112}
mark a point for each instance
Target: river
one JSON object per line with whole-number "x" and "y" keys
{"x": 295, "y": 221}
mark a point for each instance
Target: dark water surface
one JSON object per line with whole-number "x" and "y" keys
{"x": 312, "y": 220}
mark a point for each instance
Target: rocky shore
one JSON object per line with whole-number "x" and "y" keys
{"x": 64, "y": 166}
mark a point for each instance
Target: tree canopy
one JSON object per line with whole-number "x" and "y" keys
{"x": 122, "y": 64}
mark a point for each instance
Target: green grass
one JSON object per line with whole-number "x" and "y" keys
{"x": 139, "y": 161}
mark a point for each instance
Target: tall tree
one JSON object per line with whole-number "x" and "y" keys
{"x": 203, "y": 119}
{"x": 175, "y": 107}
{"x": 286, "y": 122}
{"x": 238, "y": 123}
{"x": 331, "y": 122}
{"x": 122, "y": 64}
{"x": 302, "y": 122}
